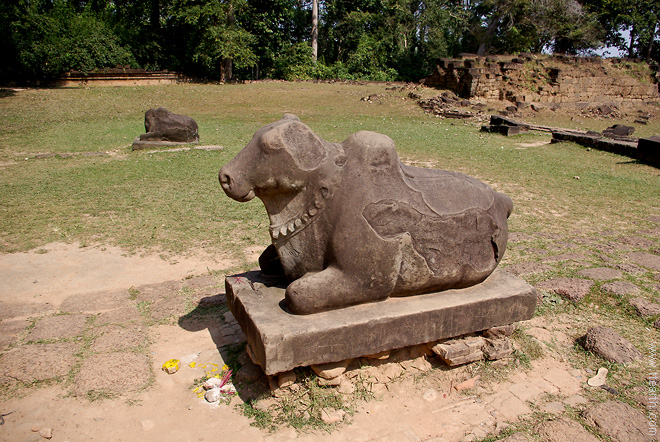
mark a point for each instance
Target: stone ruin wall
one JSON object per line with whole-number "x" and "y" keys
{"x": 123, "y": 76}
{"x": 562, "y": 80}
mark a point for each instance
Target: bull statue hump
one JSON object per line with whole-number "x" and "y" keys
{"x": 352, "y": 224}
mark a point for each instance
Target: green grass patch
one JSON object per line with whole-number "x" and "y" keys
{"x": 172, "y": 203}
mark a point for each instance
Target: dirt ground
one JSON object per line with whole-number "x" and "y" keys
{"x": 85, "y": 331}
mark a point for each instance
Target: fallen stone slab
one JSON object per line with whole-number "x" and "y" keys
{"x": 500, "y": 120}
{"x": 505, "y": 126}
{"x": 610, "y": 345}
{"x": 460, "y": 351}
{"x": 618, "y": 131}
{"x": 619, "y": 421}
{"x": 597, "y": 141}
{"x": 281, "y": 341}
{"x": 649, "y": 149}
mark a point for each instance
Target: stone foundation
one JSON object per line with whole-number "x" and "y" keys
{"x": 280, "y": 341}
{"x": 119, "y": 77}
{"x": 567, "y": 81}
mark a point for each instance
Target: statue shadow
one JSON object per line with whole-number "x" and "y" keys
{"x": 212, "y": 313}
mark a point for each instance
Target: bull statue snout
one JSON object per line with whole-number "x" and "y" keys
{"x": 235, "y": 185}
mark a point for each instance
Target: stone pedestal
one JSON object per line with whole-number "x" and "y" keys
{"x": 281, "y": 341}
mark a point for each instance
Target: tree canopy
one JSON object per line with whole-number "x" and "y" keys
{"x": 357, "y": 39}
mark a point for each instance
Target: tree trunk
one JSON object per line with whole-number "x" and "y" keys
{"x": 154, "y": 16}
{"x": 315, "y": 30}
{"x": 227, "y": 64}
{"x": 631, "y": 48}
{"x": 649, "y": 51}
{"x": 484, "y": 46}
{"x": 226, "y": 67}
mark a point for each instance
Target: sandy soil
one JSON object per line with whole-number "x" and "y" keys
{"x": 100, "y": 343}
{"x": 51, "y": 273}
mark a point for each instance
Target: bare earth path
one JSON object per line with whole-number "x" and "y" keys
{"x": 85, "y": 331}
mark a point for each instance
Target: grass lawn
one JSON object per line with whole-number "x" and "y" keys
{"x": 172, "y": 203}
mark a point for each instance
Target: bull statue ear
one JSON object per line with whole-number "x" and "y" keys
{"x": 296, "y": 138}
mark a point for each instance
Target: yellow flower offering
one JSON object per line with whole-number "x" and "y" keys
{"x": 171, "y": 366}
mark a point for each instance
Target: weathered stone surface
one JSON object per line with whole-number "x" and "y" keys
{"x": 638, "y": 242}
{"x": 618, "y": 130}
{"x": 500, "y": 332}
{"x": 10, "y": 330}
{"x": 630, "y": 268}
{"x": 620, "y": 288}
{"x": 572, "y": 288}
{"x": 645, "y": 259}
{"x": 281, "y": 341}
{"x": 601, "y": 273}
{"x": 495, "y": 349}
{"x": 113, "y": 338}
{"x": 610, "y": 345}
{"x": 619, "y": 421}
{"x": 561, "y": 82}
{"x": 350, "y": 223}
{"x": 107, "y": 373}
{"x": 330, "y": 370}
{"x": 570, "y": 256}
{"x": 333, "y": 382}
{"x": 528, "y": 268}
{"x": 286, "y": 379}
{"x": 649, "y": 149}
{"x": 39, "y": 362}
{"x": 58, "y": 327}
{"x": 250, "y": 372}
{"x": 517, "y": 437}
{"x": 332, "y": 416}
{"x": 645, "y": 307}
{"x": 460, "y": 351}
{"x": 564, "y": 430}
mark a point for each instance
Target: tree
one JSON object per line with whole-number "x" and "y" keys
{"x": 509, "y": 26}
{"x": 218, "y": 41}
{"x": 640, "y": 19}
{"x": 46, "y": 39}
{"x": 315, "y": 30}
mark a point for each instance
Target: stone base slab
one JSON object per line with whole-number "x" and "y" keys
{"x": 281, "y": 341}
{"x": 153, "y": 144}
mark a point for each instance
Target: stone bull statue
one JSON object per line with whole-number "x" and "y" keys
{"x": 351, "y": 224}
{"x": 163, "y": 125}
